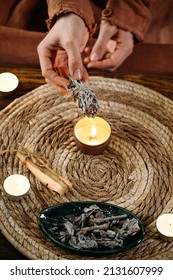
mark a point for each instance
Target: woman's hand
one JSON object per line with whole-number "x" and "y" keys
{"x": 111, "y": 48}
{"x": 62, "y": 48}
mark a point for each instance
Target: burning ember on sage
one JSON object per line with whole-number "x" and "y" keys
{"x": 94, "y": 228}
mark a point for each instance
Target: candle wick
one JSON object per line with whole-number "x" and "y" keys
{"x": 91, "y": 137}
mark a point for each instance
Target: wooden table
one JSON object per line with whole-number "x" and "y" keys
{"x": 30, "y": 78}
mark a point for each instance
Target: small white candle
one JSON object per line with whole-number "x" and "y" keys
{"x": 16, "y": 185}
{"x": 92, "y": 135}
{"x": 164, "y": 226}
{"x": 88, "y": 129}
{"x": 8, "y": 82}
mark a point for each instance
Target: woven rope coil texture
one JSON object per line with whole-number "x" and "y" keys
{"x": 135, "y": 172}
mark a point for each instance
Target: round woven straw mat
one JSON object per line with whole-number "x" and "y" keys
{"x": 134, "y": 172}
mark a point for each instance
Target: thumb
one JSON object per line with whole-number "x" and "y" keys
{"x": 100, "y": 47}
{"x": 75, "y": 61}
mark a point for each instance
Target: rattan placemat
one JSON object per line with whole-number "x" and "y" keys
{"x": 135, "y": 172}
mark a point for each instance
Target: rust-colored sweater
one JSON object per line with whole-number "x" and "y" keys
{"x": 20, "y": 22}
{"x": 131, "y": 15}
{"x": 22, "y": 27}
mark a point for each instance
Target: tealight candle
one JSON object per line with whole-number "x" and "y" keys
{"x": 164, "y": 226}
{"x": 92, "y": 135}
{"x": 15, "y": 186}
{"x": 8, "y": 82}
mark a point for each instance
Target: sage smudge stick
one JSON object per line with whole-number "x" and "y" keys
{"x": 84, "y": 97}
{"x": 82, "y": 94}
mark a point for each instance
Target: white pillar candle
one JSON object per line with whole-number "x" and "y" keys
{"x": 164, "y": 226}
{"x": 16, "y": 185}
{"x": 8, "y": 82}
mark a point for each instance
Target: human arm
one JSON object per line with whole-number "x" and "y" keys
{"x": 68, "y": 34}
{"x": 122, "y": 22}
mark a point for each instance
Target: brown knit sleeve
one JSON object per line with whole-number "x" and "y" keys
{"x": 130, "y": 15}
{"x": 79, "y": 7}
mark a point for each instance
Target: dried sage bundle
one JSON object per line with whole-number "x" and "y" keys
{"x": 82, "y": 94}
{"x": 84, "y": 97}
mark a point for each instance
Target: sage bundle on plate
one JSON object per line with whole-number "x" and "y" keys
{"x": 94, "y": 228}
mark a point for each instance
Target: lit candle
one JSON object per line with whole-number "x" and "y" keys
{"x": 164, "y": 226}
{"x": 92, "y": 135}
{"x": 8, "y": 82}
{"x": 15, "y": 186}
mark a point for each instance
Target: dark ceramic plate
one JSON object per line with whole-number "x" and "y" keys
{"x": 58, "y": 213}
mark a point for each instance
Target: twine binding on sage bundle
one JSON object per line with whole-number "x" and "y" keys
{"x": 82, "y": 94}
{"x": 84, "y": 97}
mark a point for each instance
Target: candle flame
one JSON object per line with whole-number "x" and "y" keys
{"x": 93, "y": 132}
